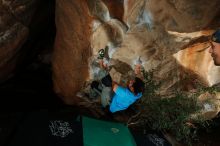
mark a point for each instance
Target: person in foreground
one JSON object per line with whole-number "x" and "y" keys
{"x": 214, "y": 48}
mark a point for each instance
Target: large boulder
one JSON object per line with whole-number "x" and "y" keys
{"x": 170, "y": 37}
{"x": 72, "y": 48}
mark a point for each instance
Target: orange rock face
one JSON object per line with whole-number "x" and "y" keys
{"x": 198, "y": 60}
{"x": 167, "y": 35}
{"x": 72, "y": 48}
{"x": 116, "y": 8}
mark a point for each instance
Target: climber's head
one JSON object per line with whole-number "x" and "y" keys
{"x": 214, "y": 48}
{"x": 136, "y": 85}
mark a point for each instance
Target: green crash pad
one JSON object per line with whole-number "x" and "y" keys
{"x": 103, "y": 133}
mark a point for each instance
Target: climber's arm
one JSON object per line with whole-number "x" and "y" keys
{"x": 137, "y": 71}
{"x": 114, "y": 86}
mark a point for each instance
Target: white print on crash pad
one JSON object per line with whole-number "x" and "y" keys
{"x": 114, "y": 130}
{"x": 155, "y": 139}
{"x": 60, "y": 128}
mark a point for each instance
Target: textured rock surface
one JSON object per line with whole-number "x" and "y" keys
{"x": 169, "y": 36}
{"x": 15, "y": 16}
{"x": 199, "y": 61}
{"x": 145, "y": 35}
{"x": 176, "y": 15}
{"x": 72, "y": 48}
{"x": 210, "y": 105}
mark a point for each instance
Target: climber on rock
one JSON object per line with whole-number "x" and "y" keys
{"x": 125, "y": 96}
{"x": 214, "y": 48}
{"x": 114, "y": 95}
{"x": 103, "y": 86}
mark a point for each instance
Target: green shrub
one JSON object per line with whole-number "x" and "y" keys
{"x": 168, "y": 114}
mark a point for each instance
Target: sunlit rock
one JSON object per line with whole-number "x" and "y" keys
{"x": 109, "y": 34}
{"x": 170, "y": 37}
{"x": 178, "y": 15}
{"x": 99, "y": 10}
{"x": 197, "y": 59}
{"x": 210, "y": 106}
